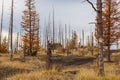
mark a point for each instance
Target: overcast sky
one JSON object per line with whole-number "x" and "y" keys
{"x": 74, "y": 12}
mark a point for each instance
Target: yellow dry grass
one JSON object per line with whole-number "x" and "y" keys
{"x": 34, "y": 69}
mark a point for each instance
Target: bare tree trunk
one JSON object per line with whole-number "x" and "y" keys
{"x": 92, "y": 44}
{"x": 8, "y": 44}
{"x": 83, "y": 52}
{"x": 49, "y": 55}
{"x": 109, "y": 29}
{"x": 24, "y": 52}
{"x": 49, "y": 29}
{"x": 65, "y": 35}
{"x": 1, "y": 26}
{"x": 88, "y": 42}
{"x": 11, "y": 33}
{"x": 53, "y": 28}
{"x": 99, "y": 23}
{"x": 17, "y": 41}
{"x": 45, "y": 36}
{"x": 62, "y": 38}
{"x": 59, "y": 35}
{"x": 69, "y": 32}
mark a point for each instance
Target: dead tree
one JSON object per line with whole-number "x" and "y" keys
{"x": 100, "y": 32}
{"x": 24, "y": 52}
{"x": 92, "y": 44}
{"x": 1, "y": 26}
{"x": 8, "y": 43}
{"x": 17, "y": 41}
{"x": 49, "y": 55}
{"x": 62, "y": 36}
{"x": 65, "y": 35}
{"x": 59, "y": 34}
{"x": 83, "y": 52}
{"x": 53, "y": 28}
{"x": 11, "y": 32}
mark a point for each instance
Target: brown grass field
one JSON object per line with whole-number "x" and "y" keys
{"x": 72, "y": 67}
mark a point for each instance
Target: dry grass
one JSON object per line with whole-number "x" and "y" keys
{"x": 34, "y": 69}
{"x": 90, "y": 74}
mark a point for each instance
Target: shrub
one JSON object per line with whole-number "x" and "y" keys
{"x": 34, "y": 53}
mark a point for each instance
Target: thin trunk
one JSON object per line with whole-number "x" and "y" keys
{"x": 21, "y": 39}
{"x": 59, "y": 36}
{"x": 8, "y": 44}
{"x": 53, "y": 30}
{"x": 17, "y": 41}
{"x": 11, "y": 33}
{"x": 88, "y": 41}
{"x": 62, "y": 38}
{"x": 44, "y": 33}
{"x": 65, "y": 35}
{"x": 53, "y": 27}
{"x": 1, "y": 26}
{"x": 92, "y": 44}
{"x": 83, "y": 43}
{"x": 80, "y": 43}
{"x": 69, "y": 31}
{"x": 49, "y": 29}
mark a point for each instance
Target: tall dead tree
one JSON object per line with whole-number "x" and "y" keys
{"x": 80, "y": 43}
{"x": 53, "y": 38}
{"x": 49, "y": 55}
{"x": 11, "y": 32}
{"x": 88, "y": 42}
{"x": 62, "y": 36}
{"x": 65, "y": 35}
{"x": 100, "y": 32}
{"x": 8, "y": 41}
{"x": 43, "y": 35}
{"x": 49, "y": 29}
{"x": 1, "y": 26}
{"x": 59, "y": 35}
{"x": 69, "y": 31}
{"x": 83, "y": 42}
{"x": 17, "y": 46}
{"x": 92, "y": 44}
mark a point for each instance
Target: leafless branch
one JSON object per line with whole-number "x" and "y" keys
{"x": 91, "y": 4}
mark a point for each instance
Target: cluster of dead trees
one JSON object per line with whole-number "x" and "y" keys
{"x": 107, "y": 32}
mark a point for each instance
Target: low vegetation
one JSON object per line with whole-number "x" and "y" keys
{"x": 64, "y": 68}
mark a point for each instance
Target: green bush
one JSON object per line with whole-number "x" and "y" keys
{"x": 34, "y": 53}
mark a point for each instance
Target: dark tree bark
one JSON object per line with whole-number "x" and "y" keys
{"x": 48, "y": 57}
{"x": 11, "y": 32}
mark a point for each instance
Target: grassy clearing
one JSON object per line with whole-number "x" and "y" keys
{"x": 71, "y": 68}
